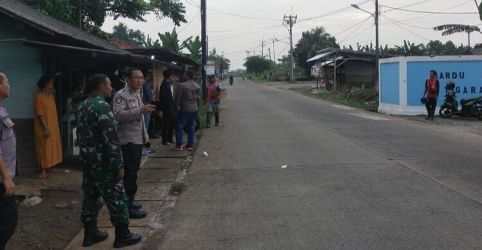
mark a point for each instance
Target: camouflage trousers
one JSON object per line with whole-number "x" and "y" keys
{"x": 99, "y": 183}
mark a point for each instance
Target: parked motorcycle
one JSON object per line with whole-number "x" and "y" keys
{"x": 469, "y": 107}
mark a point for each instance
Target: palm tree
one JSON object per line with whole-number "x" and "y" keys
{"x": 450, "y": 29}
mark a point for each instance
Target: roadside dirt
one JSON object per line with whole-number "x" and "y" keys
{"x": 49, "y": 225}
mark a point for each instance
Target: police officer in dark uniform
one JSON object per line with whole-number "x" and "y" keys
{"x": 101, "y": 158}
{"x": 8, "y": 164}
{"x": 128, "y": 111}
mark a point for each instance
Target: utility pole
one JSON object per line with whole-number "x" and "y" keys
{"x": 377, "y": 45}
{"x": 274, "y": 57}
{"x": 262, "y": 49}
{"x": 221, "y": 66}
{"x": 269, "y": 53}
{"x": 291, "y": 20}
{"x": 204, "y": 48}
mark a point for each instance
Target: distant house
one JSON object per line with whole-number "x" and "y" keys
{"x": 32, "y": 44}
{"x": 342, "y": 69}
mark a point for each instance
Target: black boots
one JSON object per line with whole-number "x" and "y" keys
{"x": 92, "y": 234}
{"x": 123, "y": 237}
{"x": 136, "y": 205}
{"x": 136, "y": 213}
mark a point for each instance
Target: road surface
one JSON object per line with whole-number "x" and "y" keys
{"x": 285, "y": 171}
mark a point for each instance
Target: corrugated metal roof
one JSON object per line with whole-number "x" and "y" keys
{"x": 37, "y": 20}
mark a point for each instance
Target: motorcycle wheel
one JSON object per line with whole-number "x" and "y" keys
{"x": 446, "y": 112}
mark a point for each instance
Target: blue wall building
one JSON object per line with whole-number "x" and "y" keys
{"x": 402, "y": 81}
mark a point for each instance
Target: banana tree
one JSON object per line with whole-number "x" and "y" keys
{"x": 450, "y": 29}
{"x": 170, "y": 41}
{"x": 194, "y": 48}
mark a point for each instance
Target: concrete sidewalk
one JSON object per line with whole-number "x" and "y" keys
{"x": 157, "y": 176}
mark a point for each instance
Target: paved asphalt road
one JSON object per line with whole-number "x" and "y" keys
{"x": 354, "y": 179}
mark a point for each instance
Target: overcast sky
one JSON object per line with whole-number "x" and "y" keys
{"x": 237, "y": 26}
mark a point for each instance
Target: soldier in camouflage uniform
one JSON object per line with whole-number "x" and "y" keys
{"x": 101, "y": 158}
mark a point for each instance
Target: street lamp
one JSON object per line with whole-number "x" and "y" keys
{"x": 377, "y": 48}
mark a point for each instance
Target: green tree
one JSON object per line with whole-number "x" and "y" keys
{"x": 218, "y": 60}
{"x": 194, "y": 48}
{"x": 170, "y": 41}
{"x": 434, "y": 48}
{"x": 409, "y": 49}
{"x": 151, "y": 43}
{"x": 92, "y": 13}
{"x": 449, "y": 29}
{"x": 310, "y": 42}
{"x": 257, "y": 64}
{"x": 133, "y": 36}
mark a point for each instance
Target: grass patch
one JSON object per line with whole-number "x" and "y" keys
{"x": 357, "y": 98}
{"x": 202, "y": 111}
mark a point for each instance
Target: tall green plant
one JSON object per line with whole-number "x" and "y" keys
{"x": 170, "y": 40}
{"x": 194, "y": 48}
{"x": 449, "y": 29}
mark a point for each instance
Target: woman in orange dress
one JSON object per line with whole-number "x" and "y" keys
{"x": 46, "y": 127}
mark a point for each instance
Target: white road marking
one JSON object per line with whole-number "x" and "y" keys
{"x": 371, "y": 117}
{"x": 343, "y": 107}
{"x": 284, "y": 166}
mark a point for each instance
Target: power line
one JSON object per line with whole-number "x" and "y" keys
{"x": 354, "y": 27}
{"x": 249, "y": 29}
{"x": 218, "y": 38}
{"x": 432, "y": 12}
{"x": 193, "y": 18}
{"x": 412, "y": 4}
{"x": 236, "y": 34}
{"x": 330, "y": 13}
{"x": 421, "y": 17}
{"x": 234, "y": 14}
{"x": 395, "y": 22}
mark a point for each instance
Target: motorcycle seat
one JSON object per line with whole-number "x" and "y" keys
{"x": 469, "y": 101}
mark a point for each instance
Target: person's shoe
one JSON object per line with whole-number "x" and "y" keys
{"x": 180, "y": 147}
{"x": 189, "y": 148}
{"x": 145, "y": 151}
{"x": 136, "y": 205}
{"x": 428, "y": 117}
{"x": 216, "y": 125}
{"x": 93, "y": 236}
{"x": 136, "y": 213}
{"x": 126, "y": 239}
{"x": 431, "y": 118}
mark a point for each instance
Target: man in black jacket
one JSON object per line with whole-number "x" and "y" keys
{"x": 166, "y": 106}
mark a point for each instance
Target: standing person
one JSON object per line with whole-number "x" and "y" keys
{"x": 214, "y": 94}
{"x": 46, "y": 127}
{"x": 431, "y": 93}
{"x": 101, "y": 159}
{"x": 8, "y": 164}
{"x": 231, "y": 79}
{"x": 187, "y": 97}
{"x": 166, "y": 106}
{"x": 146, "y": 100}
{"x": 128, "y": 111}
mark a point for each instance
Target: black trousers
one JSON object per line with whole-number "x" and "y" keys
{"x": 131, "y": 153}
{"x": 8, "y": 217}
{"x": 168, "y": 127}
{"x": 430, "y": 105}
